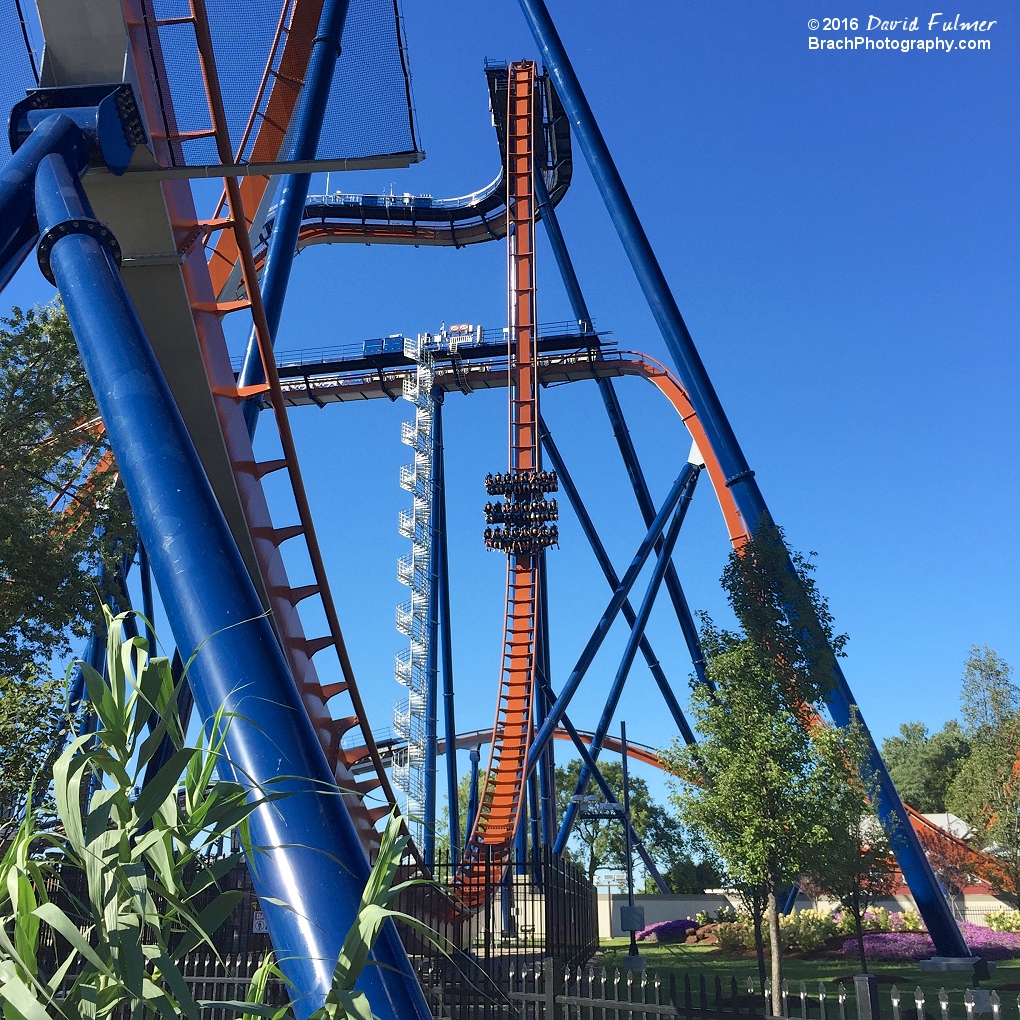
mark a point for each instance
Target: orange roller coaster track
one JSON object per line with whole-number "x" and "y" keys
{"x": 493, "y": 828}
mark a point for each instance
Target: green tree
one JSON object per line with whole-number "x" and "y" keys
{"x": 989, "y": 700}
{"x": 986, "y": 790}
{"x": 923, "y": 766}
{"x": 31, "y": 721}
{"x": 63, "y": 518}
{"x": 753, "y": 785}
{"x": 755, "y": 799}
{"x": 853, "y": 862}
{"x": 598, "y": 844}
{"x": 776, "y": 599}
{"x": 62, "y": 515}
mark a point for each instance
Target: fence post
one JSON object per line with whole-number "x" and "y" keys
{"x": 549, "y": 987}
{"x": 869, "y": 1006}
{"x": 919, "y": 1002}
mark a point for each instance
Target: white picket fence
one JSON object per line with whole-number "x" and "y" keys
{"x": 597, "y": 993}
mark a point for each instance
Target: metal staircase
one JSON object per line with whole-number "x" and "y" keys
{"x": 412, "y": 617}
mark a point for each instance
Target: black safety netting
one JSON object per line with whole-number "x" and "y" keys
{"x": 17, "y": 71}
{"x": 369, "y": 112}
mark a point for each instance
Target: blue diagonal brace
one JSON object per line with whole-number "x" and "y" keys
{"x": 637, "y": 632}
{"x": 619, "y": 425}
{"x": 588, "y": 527}
{"x": 607, "y": 790}
{"x": 548, "y": 727}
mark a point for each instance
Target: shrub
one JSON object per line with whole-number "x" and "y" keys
{"x": 734, "y": 935}
{"x": 908, "y": 920}
{"x": 878, "y": 919}
{"x": 1004, "y": 920}
{"x": 806, "y": 930}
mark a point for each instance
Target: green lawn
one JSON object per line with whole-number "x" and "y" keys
{"x": 709, "y": 961}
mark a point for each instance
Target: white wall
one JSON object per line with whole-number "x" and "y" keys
{"x": 657, "y": 908}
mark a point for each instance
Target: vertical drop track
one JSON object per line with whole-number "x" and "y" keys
{"x": 524, "y": 534}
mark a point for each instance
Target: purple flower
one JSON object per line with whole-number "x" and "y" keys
{"x": 907, "y": 946}
{"x": 668, "y": 931}
{"x": 900, "y": 946}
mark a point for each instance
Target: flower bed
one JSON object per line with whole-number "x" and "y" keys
{"x": 906, "y": 946}
{"x": 667, "y": 931}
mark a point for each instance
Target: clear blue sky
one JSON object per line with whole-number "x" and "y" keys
{"x": 841, "y": 233}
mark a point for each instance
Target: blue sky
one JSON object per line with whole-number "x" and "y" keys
{"x": 841, "y": 233}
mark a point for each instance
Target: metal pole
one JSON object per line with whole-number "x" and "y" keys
{"x": 432, "y": 664}
{"x": 548, "y": 728}
{"x": 304, "y": 133}
{"x": 312, "y": 868}
{"x": 16, "y": 251}
{"x": 627, "y": 831}
{"x": 931, "y": 902}
{"x": 547, "y": 764}
{"x": 445, "y": 629}
{"x": 534, "y": 813}
{"x": 616, "y": 688}
{"x": 588, "y": 527}
{"x": 55, "y": 134}
{"x": 472, "y": 808}
{"x": 521, "y": 840}
{"x": 623, "y": 439}
{"x": 148, "y": 606}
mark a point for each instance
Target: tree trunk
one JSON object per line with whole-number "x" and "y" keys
{"x": 757, "y": 904}
{"x": 855, "y": 906}
{"x": 759, "y": 946}
{"x": 772, "y": 908}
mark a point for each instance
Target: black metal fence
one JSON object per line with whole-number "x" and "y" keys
{"x": 539, "y": 908}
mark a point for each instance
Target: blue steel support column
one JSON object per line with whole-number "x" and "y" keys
{"x": 534, "y": 815}
{"x": 312, "y": 868}
{"x": 148, "y": 606}
{"x": 305, "y": 129}
{"x": 636, "y": 634}
{"x": 17, "y": 198}
{"x": 472, "y": 806}
{"x": 612, "y": 404}
{"x": 521, "y": 838}
{"x": 445, "y": 628}
{"x": 548, "y": 727}
{"x": 547, "y": 764}
{"x": 432, "y": 659}
{"x": 931, "y": 902}
{"x": 605, "y": 563}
